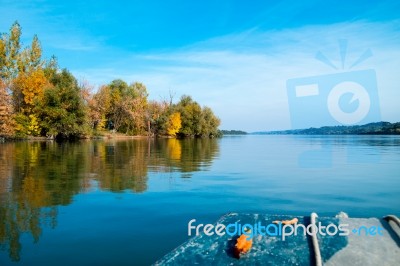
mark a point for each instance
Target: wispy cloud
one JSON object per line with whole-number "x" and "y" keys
{"x": 243, "y": 76}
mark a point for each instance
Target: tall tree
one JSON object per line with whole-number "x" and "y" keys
{"x": 138, "y": 113}
{"x": 22, "y": 74}
{"x": 35, "y": 56}
{"x": 99, "y": 106}
{"x": 10, "y": 46}
{"x": 30, "y": 59}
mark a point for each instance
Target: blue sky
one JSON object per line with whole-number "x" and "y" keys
{"x": 234, "y": 56}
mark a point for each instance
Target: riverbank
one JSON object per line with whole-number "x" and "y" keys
{"x": 102, "y": 136}
{"x": 105, "y": 135}
{"x": 116, "y": 135}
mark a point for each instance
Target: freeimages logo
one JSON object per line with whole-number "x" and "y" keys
{"x": 280, "y": 230}
{"x": 345, "y": 98}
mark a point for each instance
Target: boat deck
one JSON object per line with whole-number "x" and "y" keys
{"x": 371, "y": 241}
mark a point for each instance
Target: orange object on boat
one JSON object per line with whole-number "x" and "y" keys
{"x": 243, "y": 245}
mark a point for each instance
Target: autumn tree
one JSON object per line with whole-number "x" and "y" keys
{"x": 123, "y": 106}
{"x": 28, "y": 88}
{"x": 99, "y": 106}
{"x": 23, "y": 76}
{"x": 9, "y": 55}
{"x": 6, "y": 112}
{"x": 174, "y": 124}
{"x": 139, "y": 113}
{"x": 158, "y": 114}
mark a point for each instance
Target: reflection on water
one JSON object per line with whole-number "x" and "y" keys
{"x": 320, "y": 149}
{"x": 36, "y": 177}
{"x": 89, "y": 202}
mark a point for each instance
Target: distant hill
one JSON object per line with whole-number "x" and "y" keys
{"x": 233, "y": 132}
{"x": 378, "y": 128}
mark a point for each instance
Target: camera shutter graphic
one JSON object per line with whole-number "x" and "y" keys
{"x": 348, "y": 98}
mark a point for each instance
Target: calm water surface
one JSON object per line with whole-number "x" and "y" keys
{"x": 129, "y": 202}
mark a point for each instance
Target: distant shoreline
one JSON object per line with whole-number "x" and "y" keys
{"x": 377, "y": 128}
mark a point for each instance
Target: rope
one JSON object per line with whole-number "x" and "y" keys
{"x": 317, "y": 252}
{"x": 394, "y": 223}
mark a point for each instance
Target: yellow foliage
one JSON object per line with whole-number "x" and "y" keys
{"x": 174, "y": 123}
{"x": 33, "y": 127}
{"x": 31, "y": 86}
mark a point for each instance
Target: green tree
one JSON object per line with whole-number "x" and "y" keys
{"x": 209, "y": 123}
{"x": 196, "y": 121}
{"x": 50, "y": 67}
{"x": 190, "y": 115}
{"x": 62, "y": 111}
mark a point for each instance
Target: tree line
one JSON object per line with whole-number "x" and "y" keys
{"x": 233, "y": 132}
{"x": 37, "y": 98}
